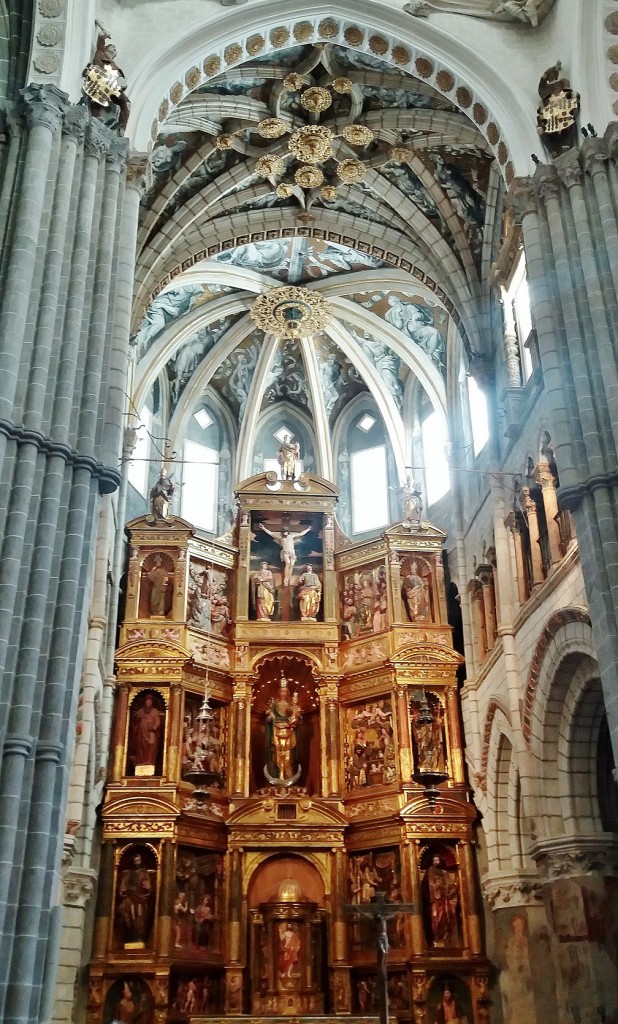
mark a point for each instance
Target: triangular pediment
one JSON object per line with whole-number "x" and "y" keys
{"x": 424, "y": 531}
{"x": 307, "y": 485}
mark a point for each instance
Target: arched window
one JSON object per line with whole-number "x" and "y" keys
{"x": 435, "y": 439}
{"x": 200, "y": 471}
{"x": 478, "y": 415}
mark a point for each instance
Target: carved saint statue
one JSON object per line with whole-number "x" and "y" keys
{"x": 282, "y": 721}
{"x": 159, "y": 579}
{"x": 415, "y": 596}
{"x": 264, "y": 593}
{"x": 136, "y": 897}
{"x": 442, "y": 892}
{"x": 309, "y": 594}
{"x": 104, "y": 82}
{"x": 146, "y": 730}
{"x": 289, "y": 454}
{"x": 161, "y": 495}
{"x": 286, "y": 542}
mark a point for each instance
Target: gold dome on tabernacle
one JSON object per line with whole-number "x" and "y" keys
{"x": 289, "y": 891}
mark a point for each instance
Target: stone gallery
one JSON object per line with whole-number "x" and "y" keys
{"x": 309, "y": 531}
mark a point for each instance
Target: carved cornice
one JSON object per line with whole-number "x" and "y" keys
{"x": 501, "y": 891}
{"x": 571, "y": 856}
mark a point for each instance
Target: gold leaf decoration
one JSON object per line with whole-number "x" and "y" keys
{"x": 232, "y": 53}
{"x": 291, "y": 311}
{"x": 293, "y": 82}
{"x": 351, "y": 171}
{"x": 328, "y": 28}
{"x": 303, "y": 30}
{"x": 284, "y": 190}
{"x": 309, "y": 177}
{"x": 311, "y": 144}
{"x": 357, "y": 134}
{"x": 279, "y": 36}
{"x": 176, "y": 92}
{"x": 212, "y": 65}
{"x": 255, "y": 45}
{"x": 269, "y": 166}
{"x": 329, "y": 193}
{"x": 316, "y": 99}
{"x": 353, "y": 35}
{"x": 400, "y": 55}
{"x": 224, "y": 141}
{"x": 193, "y": 77}
{"x": 164, "y": 110}
{"x": 272, "y": 128}
{"x": 378, "y": 44}
{"x": 342, "y": 85}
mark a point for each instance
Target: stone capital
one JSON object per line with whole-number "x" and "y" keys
{"x": 516, "y": 890}
{"x": 98, "y": 139}
{"x": 595, "y": 156}
{"x": 137, "y": 168}
{"x": 78, "y": 886}
{"x": 44, "y": 105}
{"x": 75, "y": 121}
{"x": 548, "y": 183}
{"x": 571, "y": 856}
{"x": 117, "y": 155}
{"x": 569, "y": 169}
{"x": 522, "y": 198}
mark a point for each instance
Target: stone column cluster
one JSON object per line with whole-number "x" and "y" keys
{"x": 570, "y": 229}
{"x": 65, "y": 271}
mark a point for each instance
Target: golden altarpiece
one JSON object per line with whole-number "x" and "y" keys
{"x": 331, "y": 682}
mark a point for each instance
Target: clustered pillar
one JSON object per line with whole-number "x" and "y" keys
{"x": 63, "y": 300}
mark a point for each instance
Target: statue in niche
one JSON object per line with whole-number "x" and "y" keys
{"x": 161, "y": 494}
{"x": 161, "y": 587}
{"x": 104, "y": 82}
{"x": 288, "y": 457}
{"x": 452, "y": 1006}
{"x": 202, "y": 749}
{"x": 199, "y": 604}
{"x": 429, "y": 738}
{"x": 264, "y": 593}
{"x": 196, "y": 916}
{"x": 441, "y": 896}
{"x": 415, "y": 596}
{"x": 282, "y": 722}
{"x": 368, "y": 873}
{"x": 286, "y": 542}
{"x": 309, "y": 594}
{"x": 135, "y": 896}
{"x": 146, "y": 734}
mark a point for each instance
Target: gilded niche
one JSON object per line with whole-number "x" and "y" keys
{"x": 364, "y": 601}
{"x": 369, "y": 750}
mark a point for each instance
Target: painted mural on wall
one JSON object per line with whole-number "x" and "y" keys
{"x": 387, "y": 364}
{"x": 298, "y": 260}
{"x": 368, "y": 873}
{"x": 180, "y": 369}
{"x": 203, "y": 750}
{"x": 423, "y": 324}
{"x": 340, "y": 380}
{"x": 369, "y": 748}
{"x": 197, "y": 909}
{"x": 364, "y": 602}
{"x": 233, "y": 377}
{"x": 129, "y": 1001}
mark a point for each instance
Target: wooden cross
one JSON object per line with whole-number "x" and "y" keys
{"x": 379, "y": 910}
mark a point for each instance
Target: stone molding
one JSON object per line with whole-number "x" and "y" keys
{"x": 518, "y": 890}
{"x": 571, "y": 856}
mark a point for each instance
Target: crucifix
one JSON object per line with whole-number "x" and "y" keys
{"x": 379, "y": 910}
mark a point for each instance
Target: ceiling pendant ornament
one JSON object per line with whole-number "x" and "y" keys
{"x": 272, "y": 128}
{"x": 312, "y": 143}
{"x": 291, "y": 312}
{"x": 308, "y": 176}
{"x": 358, "y": 134}
{"x": 269, "y": 166}
{"x": 316, "y": 99}
{"x": 351, "y": 171}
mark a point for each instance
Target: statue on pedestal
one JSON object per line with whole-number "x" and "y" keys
{"x": 289, "y": 455}
{"x": 282, "y": 721}
{"x": 264, "y": 593}
{"x": 161, "y": 495}
{"x": 104, "y": 82}
{"x": 309, "y": 594}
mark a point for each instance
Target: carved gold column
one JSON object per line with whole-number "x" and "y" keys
{"x": 485, "y": 574}
{"x": 133, "y": 586}
{"x": 469, "y": 900}
{"x": 394, "y": 588}
{"x": 104, "y": 909}
{"x": 240, "y": 713}
{"x": 340, "y": 978}
{"x": 419, "y": 941}
{"x": 511, "y": 522}
{"x": 121, "y": 711}
{"x": 456, "y": 756}
{"x": 235, "y": 950}
{"x": 329, "y": 587}
{"x": 179, "y": 599}
{"x": 330, "y": 741}
{"x": 403, "y": 733}
{"x": 166, "y": 898}
{"x": 533, "y": 529}
{"x": 545, "y": 477}
{"x": 174, "y": 732}
{"x": 242, "y": 579}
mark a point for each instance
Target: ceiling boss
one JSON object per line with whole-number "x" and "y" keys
{"x": 291, "y": 312}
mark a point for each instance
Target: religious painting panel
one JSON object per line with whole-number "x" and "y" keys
{"x": 365, "y": 993}
{"x": 198, "y": 902}
{"x": 364, "y": 601}
{"x": 371, "y": 872}
{"x": 145, "y": 743}
{"x": 441, "y": 896}
{"x": 399, "y": 993}
{"x": 129, "y": 1000}
{"x": 286, "y": 567}
{"x": 448, "y": 999}
{"x": 157, "y": 586}
{"x": 204, "y": 741}
{"x": 417, "y": 590}
{"x": 195, "y": 994}
{"x": 369, "y": 749}
{"x": 208, "y": 600}
{"x": 429, "y": 743}
{"x": 135, "y": 896}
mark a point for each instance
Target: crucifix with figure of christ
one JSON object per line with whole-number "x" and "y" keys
{"x": 379, "y": 910}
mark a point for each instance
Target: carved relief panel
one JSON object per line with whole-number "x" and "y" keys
{"x": 198, "y": 903}
{"x": 369, "y": 749}
{"x": 204, "y": 744}
{"x": 364, "y": 601}
{"x": 369, "y": 872}
{"x": 208, "y": 598}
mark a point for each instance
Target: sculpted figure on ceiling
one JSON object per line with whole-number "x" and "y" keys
{"x": 531, "y": 12}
